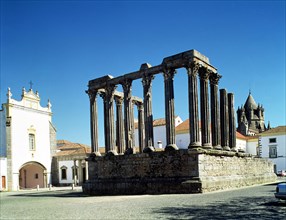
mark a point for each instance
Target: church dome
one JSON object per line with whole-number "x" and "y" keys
{"x": 250, "y": 103}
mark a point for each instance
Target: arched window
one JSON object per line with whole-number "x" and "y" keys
{"x": 63, "y": 172}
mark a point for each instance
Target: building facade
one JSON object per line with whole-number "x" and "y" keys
{"x": 273, "y": 146}
{"x": 28, "y": 141}
{"x": 69, "y": 165}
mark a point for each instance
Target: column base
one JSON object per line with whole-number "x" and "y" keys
{"x": 241, "y": 151}
{"x": 194, "y": 145}
{"x": 226, "y": 148}
{"x": 233, "y": 150}
{"x": 95, "y": 154}
{"x": 148, "y": 149}
{"x": 171, "y": 147}
{"x": 111, "y": 153}
{"x": 207, "y": 146}
{"x": 130, "y": 151}
{"x": 217, "y": 147}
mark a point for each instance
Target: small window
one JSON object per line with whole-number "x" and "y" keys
{"x": 272, "y": 151}
{"x": 272, "y": 140}
{"x": 32, "y": 145}
{"x": 64, "y": 173}
{"x": 36, "y": 176}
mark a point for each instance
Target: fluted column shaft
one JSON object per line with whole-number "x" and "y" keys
{"x": 224, "y": 120}
{"x": 148, "y": 115}
{"x": 232, "y": 125}
{"x": 140, "y": 126}
{"x": 169, "y": 107}
{"x": 204, "y": 101}
{"x": 194, "y": 131}
{"x": 93, "y": 122}
{"x": 109, "y": 119}
{"x": 215, "y": 121}
{"x": 119, "y": 125}
{"x": 128, "y": 115}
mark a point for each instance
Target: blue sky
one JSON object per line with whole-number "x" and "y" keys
{"x": 61, "y": 45}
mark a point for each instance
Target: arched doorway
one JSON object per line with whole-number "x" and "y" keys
{"x": 31, "y": 175}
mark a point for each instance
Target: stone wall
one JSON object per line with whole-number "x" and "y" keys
{"x": 181, "y": 171}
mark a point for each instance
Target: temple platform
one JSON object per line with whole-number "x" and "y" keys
{"x": 178, "y": 171}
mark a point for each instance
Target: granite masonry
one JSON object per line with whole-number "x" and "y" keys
{"x": 210, "y": 165}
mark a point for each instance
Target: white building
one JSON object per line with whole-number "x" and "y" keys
{"x": 69, "y": 165}
{"x": 273, "y": 146}
{"x": 183, "y": 137}
{"x": 28, "y": 140}
{"x": 159, "y": 129}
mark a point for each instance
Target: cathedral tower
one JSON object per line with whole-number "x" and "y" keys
{"x": 250, "y": 117}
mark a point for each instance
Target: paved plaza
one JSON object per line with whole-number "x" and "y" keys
{"x": 255, "y": 202}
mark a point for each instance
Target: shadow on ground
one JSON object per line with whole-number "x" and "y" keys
{"x": 58, "y": 193}
{"x": 240, "y": 208}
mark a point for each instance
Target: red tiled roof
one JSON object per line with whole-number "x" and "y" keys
{"x": 159, "y": 122}
{"x": 184, "y": 126}
{"x": 240, "y": 136}
{"x": 279, "y": 129}
{"x": 156, "y": 122}
{"x": 66, "y": 148}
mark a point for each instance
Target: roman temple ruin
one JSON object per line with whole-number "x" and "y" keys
{"x": 211, "y": 161}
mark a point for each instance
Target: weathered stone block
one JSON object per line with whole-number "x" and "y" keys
{"x": 179, "y": 171}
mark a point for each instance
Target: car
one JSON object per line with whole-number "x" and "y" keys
{"x": 281, "y": 191}
{"x": 281, "y": 173}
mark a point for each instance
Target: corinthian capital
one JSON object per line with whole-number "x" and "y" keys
{"x": 147, "y": 80}
{"x": 118, "y": 100}
{"x": 109, "y": 95}
{"x": 169, "y": 74}
{"x": 204, "y": 73}
{"x": 193, "y": 68}
{"x": 214, "y": 78}
{"x": 127, "y": 88}
{"x": 92, "y": 95}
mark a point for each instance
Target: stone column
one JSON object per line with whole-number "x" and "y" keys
{"x": 128, "y": 117}
{"x": 93, "y": 124}
{"x": 79, "y": 173}
{"x": 170, "y": 109}
{"x": 194, "y": 131}
{"x": 224, "y": 120}
{"x": 102, "y": 95}
{"x": 119, "y": 125}
{"x": 204, "y": 74}
{"x": 232, "y": 125}
{"x": 86, "y": 170}
{"x": 148, "y": 115}
{"x": 109, "y": 120}
{"x": 215, "y": 121}
{"x": 74, "y": 173}
{"x": 140, "y": 126}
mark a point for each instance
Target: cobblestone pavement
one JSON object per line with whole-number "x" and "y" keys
{"x": 63, "y": 203}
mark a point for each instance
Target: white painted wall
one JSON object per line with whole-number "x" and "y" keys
{"x": 251, "y": 146}
{"x": 280, "y": 161}
{"x": 27, "y": 115}
{"x": 182, "y": 140}
{"x": 3, "y": 171}
{"x": 159, "y": 134}
{"x": 3, "y": 132}
{"x": 240, "y": 144}
{"x": 69, "y": 164}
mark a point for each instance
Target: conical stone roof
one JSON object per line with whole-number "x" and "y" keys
{"x": 250, "y": 103}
